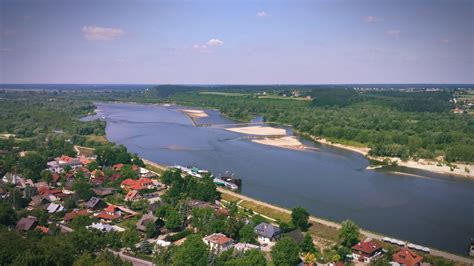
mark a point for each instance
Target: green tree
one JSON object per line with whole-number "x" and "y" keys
{"x": 173, "y": 220}
{"x": 285, "y": 252}
{"x": 7, "y": 214}
{"x": 130, "y": 238}
{"x": 349, "y": 234}
{"x": 251, "y": 257}
{"x": 300, "y": 217}
{"x": 192, "y": 252}
{"x": 163, "y": 256}
{"x": 247, "y": 234}
{"x": 81, "y": 221}
{"x": 83, "y": 189}
{"x": 307, "y": 246}
{"x": 31, "y": 165}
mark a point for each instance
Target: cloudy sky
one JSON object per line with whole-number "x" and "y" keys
{"x": 238, "y": 42}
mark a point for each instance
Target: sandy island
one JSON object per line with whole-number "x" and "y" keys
{"x": 194, "y": 113}
{"x": 289, "y": 142}
{"x": 259, "y": 130}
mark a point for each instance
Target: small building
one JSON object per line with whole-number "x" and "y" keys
{"x": 243, "y": 247}
{"x": 218, "y": 242}
{"x": 110, "y": 213}
{"x": 101, "y": 227}
{"x": 133, "y": 195}
{"x": 37, "y": 201}
{"x": 366, "y": 251}
{"x": 95, "y": 204}
{"x": 267, "y": 232}
{"x": 147, "y": 218}
{"x": 407, "y": 257}
{"x": 26, "y": 223}
{"x": 103, "y": 191}
{"x": 72, "y": 215}
{"x": 11, "y": 178}
{"x": 53, "y": 207}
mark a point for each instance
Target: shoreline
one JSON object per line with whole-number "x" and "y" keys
{"x": 325, "y": 222}
{"x": 421, "y": 164}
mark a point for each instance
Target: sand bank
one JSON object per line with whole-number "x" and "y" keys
{"x": 259, "y": 130}
{"x": 422, "y": 164}
{"x": 289, "y": 142}
{"x": 194, "y": 113}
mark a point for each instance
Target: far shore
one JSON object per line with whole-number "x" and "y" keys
{"x": 458, "y": 169}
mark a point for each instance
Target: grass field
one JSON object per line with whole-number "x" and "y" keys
{"x": 282, "y": 98}
{"x": 101, "y": 139}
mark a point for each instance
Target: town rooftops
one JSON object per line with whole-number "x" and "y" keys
{"x": 147, "y": 218}
{"x": 267, "y": 230}
{"x": 26, "y": 223}
{"x": 72, "y": 215}
{"x": 93, "y": 202}
{"x": 218, "y": 239}
{"x": 407, "y": 257}
{"x": 367, "y": 247}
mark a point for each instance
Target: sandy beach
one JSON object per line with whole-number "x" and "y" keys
{"x": 194, "y": 113}
{"x": 421, "y": 164}
{"x": 289, "y": 142}
{"x": 259, "y": 130}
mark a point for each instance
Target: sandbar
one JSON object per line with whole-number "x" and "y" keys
{"x": 259, "y": 130}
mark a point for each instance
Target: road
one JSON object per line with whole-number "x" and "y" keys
{"x": 366, "y": 233}
{"x": 135, "y": 261}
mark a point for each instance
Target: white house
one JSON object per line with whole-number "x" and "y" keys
{"x": 218, "y": 242}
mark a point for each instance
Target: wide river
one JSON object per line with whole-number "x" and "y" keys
{"x": 427, "y": 209}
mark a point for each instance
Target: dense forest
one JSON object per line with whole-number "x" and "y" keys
{"x": 392, "y": 122}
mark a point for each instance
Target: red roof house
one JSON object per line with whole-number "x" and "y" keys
{"x": 366, "y": 251}
{"x": 407, "y": 257}
{"x": 110, "y": 213}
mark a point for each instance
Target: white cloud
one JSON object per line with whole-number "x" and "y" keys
{"x": 215, "y": 42}
{"x": 202, "y": 48}
{"x": 95, "y": 33}
{"x": 372, "y": 19}
{"x": 262, "y": 14}
{"x": 393, "y": 32}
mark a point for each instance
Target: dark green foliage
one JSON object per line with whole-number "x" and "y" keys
{"x": 307, "y": 244}
{"x": 83, "y": 189}
{"x": 7, "y": 214}
{"x": 192, "y": 252}
{"x": 250, "y": 257}
{"x": 247, "y": 234}
{"x": 146, "y": 247}
{"x": 300, "y": 217}
{"x": 285, "y": 252}
{"x": 31, "y": 165}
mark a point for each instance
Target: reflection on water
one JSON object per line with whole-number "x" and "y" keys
{"x": 434, "y": 211}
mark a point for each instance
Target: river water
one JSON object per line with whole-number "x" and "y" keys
{"x": 427, "y": 209}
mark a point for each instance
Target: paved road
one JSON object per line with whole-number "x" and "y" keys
{"x": 135, "y": 261}
{"x": 366, "y": 233}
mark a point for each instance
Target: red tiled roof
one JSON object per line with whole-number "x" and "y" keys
{"x": 110, "y": 208}
{"x": 107, "y": 216}
{"x": 118, "y": 166}
{"x": 367, "y": 247}
{"x": 219, "y": 239}
{"x": 65, "y": 158}
{"x": 128, "y": 182}
{"x": 71, "y": 215}
{"x": 407, "y": 257}
{"x": 43, "y": 229}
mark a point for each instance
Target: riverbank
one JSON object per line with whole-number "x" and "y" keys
{"x": 456, "y": 169}
{"x": 324, "y": 232}
{"x": 288, "y": 142}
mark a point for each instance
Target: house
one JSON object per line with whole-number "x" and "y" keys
{"x": 133, "y": 195}
{"x": 95, "y": 203}
{"x": 218, "y": 242}
{"x": 110, "y": 213}
{"x": 163, "y": 243}
{"x": 38, "y": 200}
{"x": 26, "y": 223}
{"x": 11, "y": 178}
{"x": 243, "y": 247}
{"x": 147, "y": 218}
{"x": 407, "y": 257}
{"x": 43, "y": 229}
{"x": 101, "y": 227}
{"x": 72, "y": 215}
{"x": 366, "y": 251}
{"x": 53, "y": 207}
{"x": 103, "y": 191}
{"x": 139, "y": 184}
{"x": 267, "y": 232}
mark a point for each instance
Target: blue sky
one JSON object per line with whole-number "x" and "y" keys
{"x": 237, "y": 42}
